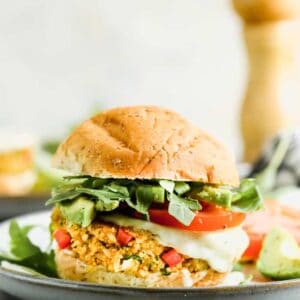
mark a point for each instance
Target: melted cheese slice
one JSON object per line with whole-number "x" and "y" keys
{"x": 219, "y": 248}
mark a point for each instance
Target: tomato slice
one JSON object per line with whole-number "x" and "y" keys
{"x": 255, "y": 245}
{"x": 258, "y": 224}
{"x": 210, "y": 219}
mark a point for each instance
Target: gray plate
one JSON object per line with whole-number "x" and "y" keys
{"x": 31, "y": 288}
{"x": 36, "y": 288}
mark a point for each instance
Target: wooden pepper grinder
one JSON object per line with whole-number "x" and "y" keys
{"x": 272, "y": 98}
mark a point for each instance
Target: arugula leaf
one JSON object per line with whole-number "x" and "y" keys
{"x": 95, "y": 183}
{"x": 116, "y": 188}
{"x": 26, "y": 254}
{"x": 188, "y": 202}
{"x": 132, "y": 256}
{"x": 27, "y": 228}
{"x": 104, "y": 194}
{"x": 238, "y": 267}
{"x": 59, "y": 197}
{"x": 71, "y": 177}
{"x": 19, "y": 237}
{"x": 246, "y": 198}
{"x": 165, "y": 271}
{"x": 144, "y": 197}
{"x": 107, "y": 194}
{"x": 181, "y": 187}
{"x": 182, "y": 209}
{"x": 168, "y": 185}
{"x": 21, "y": 269}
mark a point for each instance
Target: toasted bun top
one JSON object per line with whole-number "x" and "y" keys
{"x": 145, "y": 142}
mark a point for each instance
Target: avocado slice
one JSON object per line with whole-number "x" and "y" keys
{"x": 280, "y": 255}
{"x": 148, "y": 194}
{"x": 80, "y": 211}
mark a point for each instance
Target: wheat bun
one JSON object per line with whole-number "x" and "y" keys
{"x": 71, "y": 268}
{"x": 145, "y": 142}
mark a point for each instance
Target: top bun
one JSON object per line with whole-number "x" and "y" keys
{"x": 145, "y": 142}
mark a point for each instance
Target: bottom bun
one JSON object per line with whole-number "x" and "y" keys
{"x": 71, "y": 268}
{"x": 17, "y": 184}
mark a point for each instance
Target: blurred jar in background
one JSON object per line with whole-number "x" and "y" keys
{"x": 272, "y": 97}
{"x": 17, "y": 174}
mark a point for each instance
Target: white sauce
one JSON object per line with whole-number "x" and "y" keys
{"x": 233, "y": 279}
{"x": 219, "y": 248}
{"x": 187, "y": 280}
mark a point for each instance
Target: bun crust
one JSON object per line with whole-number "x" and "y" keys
{"x": 70, "y": 268}
{"x": 145, "y": 142}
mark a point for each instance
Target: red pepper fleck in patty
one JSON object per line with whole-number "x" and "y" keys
{"x": 123, "y": 237}
{"x": 172, "y": 258}
{"x": 62, "y": 238}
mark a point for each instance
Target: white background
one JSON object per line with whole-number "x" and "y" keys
{"x": 59, "y": 59}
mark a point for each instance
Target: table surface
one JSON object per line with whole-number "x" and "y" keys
{"x": 6, "y": 297}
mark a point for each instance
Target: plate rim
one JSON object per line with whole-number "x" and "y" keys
{"x": 116, "y": 289}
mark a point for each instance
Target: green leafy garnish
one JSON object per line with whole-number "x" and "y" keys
{"x": 238, "y": 267}
{"x": 106, "y": 195}
{"x": 68, "y": 195}
{"x": 181, "y": 187}
{"x": 165, "y": 272}
{"x": 168, "y": 185}
{"x": 132, "y": 256}
{"x": 145, "y": 195}
{"x": 20, "y": 269}
{"x": 247, "y": 280}
{"x": 182, "y": 209}
{"x": 24, "y": 253}
{"x": 246, "y": 198}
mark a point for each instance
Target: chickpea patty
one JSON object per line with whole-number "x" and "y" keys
{"x": 97, "y": 244}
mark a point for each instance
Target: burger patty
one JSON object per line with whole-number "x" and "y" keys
{"x": 97, "y": 245}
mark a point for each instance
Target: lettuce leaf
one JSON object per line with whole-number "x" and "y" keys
{"x": 183, "y": 209}
{"x": 24, "y": 253}
{"x": 183, "y": 197}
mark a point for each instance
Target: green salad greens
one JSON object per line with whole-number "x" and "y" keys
{"x": 24, "y": 253}
{"x": 82, "y": 197}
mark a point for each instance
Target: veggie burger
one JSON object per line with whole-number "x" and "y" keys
{"x": 152, "y": 201}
